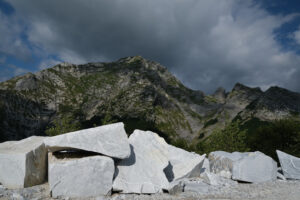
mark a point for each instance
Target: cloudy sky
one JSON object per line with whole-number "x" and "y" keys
{"x": 205, "y": 43}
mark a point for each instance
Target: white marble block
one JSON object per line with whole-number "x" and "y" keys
{"x": 23, "y": 163}
{"x": 110, "y": 140}
{"x": 80, "y": 177}
{"x": 143, "y": 171}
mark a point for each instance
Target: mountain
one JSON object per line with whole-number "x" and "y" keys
{"x": 139, "y": 92}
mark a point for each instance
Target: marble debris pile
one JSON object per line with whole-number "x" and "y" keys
{"x": 98, "y": 161}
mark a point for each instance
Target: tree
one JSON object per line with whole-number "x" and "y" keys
{"x": 61, "y": 126}
{"x": 282, "y": 134}
{"x": 230, "y": 139}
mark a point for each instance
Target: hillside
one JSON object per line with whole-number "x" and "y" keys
{"x": 139, "y": 92}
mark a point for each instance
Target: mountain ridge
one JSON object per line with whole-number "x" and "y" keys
{"x": 141, "y": 93}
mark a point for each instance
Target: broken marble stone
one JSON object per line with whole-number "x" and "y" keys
{"x": 290, "y": 165}
{"x": 176, "y": 187}
{"x": 255, "y": 168}
{"x": 110, "y": 140}
{"x": 281, "y": 176}
{"x": 216, "y": 180}
{"x": 183, "y": 164}
{"x": 196, "y": 187}
{"x": 221, "y": 162}
{"x": 205, "y": 166}
{"x": 143, "y": 171}
{"x": 23, "y": 163}
{"x": 80, "y": 177}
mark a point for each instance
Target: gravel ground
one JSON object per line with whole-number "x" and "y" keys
{"x": 277, "y": 190}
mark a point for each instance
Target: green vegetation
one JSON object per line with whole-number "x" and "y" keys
{"x": 182, "y": 143}
{"x": 211, "y": 99}
{"x": 61, "y": 126}
{"x": 282, "y": 134}
{"x": 255, "y": 135}
{"x": 230, "y": 139}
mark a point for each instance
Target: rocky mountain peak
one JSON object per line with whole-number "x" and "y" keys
{"x": 241, "y": 87}
{"x": 242, "y": 94}
{"x": 220, "y": 94}
{"x": 141, "y": 93}
{"x": 278, "y": 99}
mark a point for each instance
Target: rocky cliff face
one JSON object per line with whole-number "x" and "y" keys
{"x": 141, "y": 93}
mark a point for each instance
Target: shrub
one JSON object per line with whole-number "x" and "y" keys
{"x": 230, "y": 139}
{"x": 282, "y": 134}
{"x": 61, "y": 126}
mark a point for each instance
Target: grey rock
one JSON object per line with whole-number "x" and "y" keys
{"x": 110, "y": 140}
{"x": 183, "y": 164}
{"x": 28, "y": 82}
{"x": 220, "y": 94}
{"x": 196, "y": 187}
{"x": 281, "y": 176}
{"x": 255, "y": 168}
{"x": 16, "y": 196}
{"x": 23, "y": 163}
{"x": 80, "y": 177}
{"x": 176, "y": 187}
{"x": 143, "y": 171}
{"x": 290, "y": 165}
{"x": 221, "y": 162}
{"x": 216, "y": 180}
{"x": 205, "y": 166}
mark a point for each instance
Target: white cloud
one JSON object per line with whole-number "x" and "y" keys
{"x": 11, "y": 42}
{"x": 207, "y": 43}
{"x": 297, "y": 36}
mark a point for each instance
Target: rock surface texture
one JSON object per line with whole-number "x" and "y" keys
{"x": 183, "y": 164}
{"x": 80, "y": 177}
{"x": 143, "y": 171}
{"x": 290, "y": 165}
{"x": 277, "y": 190}
{"x": 221, "y": 162}
{"x": 110, "y": 140}
{"x": 216, "y": 180}
{"x": 205, "y": 166}
{"x": 255, "y": 168}
{"x": 23, "y": 163}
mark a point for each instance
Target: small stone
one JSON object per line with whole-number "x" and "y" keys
{"x": 280, "y": 176}
{"x": 16, "y": 196}
{"x": 176, "y": 187}
{"x": 216, "y": 180}
{"x": 196, "y": 186}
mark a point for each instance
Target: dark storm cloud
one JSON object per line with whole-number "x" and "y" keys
{"x": 205, "y": 43}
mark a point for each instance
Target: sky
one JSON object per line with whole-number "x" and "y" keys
{"x": 204, "y": 43}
